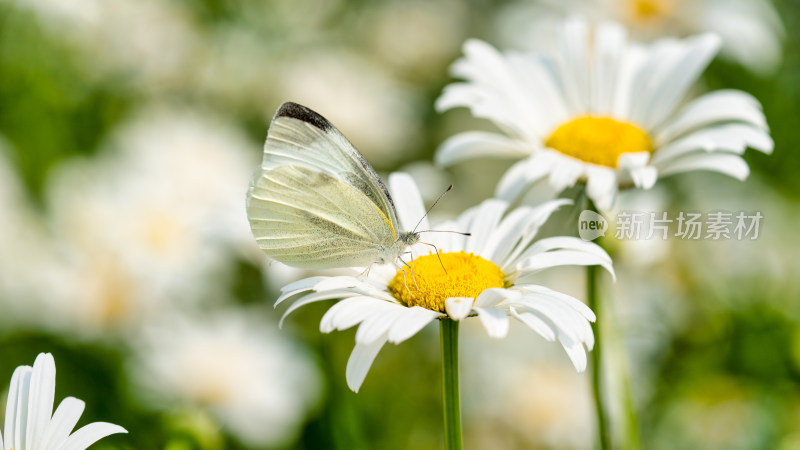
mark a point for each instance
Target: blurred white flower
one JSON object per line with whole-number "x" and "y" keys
{"x": 489, "y": 275}
{"x": 381, "y": 115}
{"x": 24, "y": 245}
{"x": 156, "y": 218}
{"x": 751, "y": 30}
{"x": 254, "y": 380}
{"x": 152, "y": 42}
{"x": 417, "y": 38}
{"x": 726, "y": 266}
{"x": 31, "y": 423}
{"x": 601, "y": 110}
{"x": 528, "y": 391}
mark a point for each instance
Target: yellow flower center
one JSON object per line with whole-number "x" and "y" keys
{"x": 599, "y": 140}
{"x": 646, "y": 10}
{"x": 429, "y": 285}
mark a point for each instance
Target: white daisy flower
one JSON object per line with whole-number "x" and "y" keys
{"x": 23, "y": 244}
{"x": 489, "y": 275}
{"x": 372, "y": 95}
{"x": 751, "y": 30}
{"x": 152, "y": 42}
{"x": 30, "y": 422}
{"x": 601, "y": 110}
{"x": 156, "y": 219}
{"x": 256, "y": 382}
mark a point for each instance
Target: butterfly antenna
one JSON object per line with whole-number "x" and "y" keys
{"x": 446, "y": 231}
{"x": 449, "y": 188}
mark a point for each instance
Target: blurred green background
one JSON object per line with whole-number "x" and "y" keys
{"x": 104, "y": 108}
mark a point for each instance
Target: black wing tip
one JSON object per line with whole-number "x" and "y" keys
{"x": 300, "y": 112}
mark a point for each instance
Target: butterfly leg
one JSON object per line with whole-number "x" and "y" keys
{"x": 363, "y": 276}
{"x": 405, "y": 280}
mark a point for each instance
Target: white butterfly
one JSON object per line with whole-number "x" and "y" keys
{"x": 316, "y": 203}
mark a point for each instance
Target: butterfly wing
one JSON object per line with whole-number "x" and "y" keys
{"x": 315, "y": 202}
{"x": 300, "y": 136}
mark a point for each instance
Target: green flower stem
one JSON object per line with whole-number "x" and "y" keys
{"x": 452, "y": 408}
{"x": 597, "y": 359}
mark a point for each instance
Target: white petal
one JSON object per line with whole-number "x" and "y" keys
{"x": 541, "y": 261}
{"x": 40, "y": 402}
{"x": 751, "y": 31}
{"x": 726, "y": 105}
{"x": 570, "y": 325}
{"x": 729, "y": 164}
{"x": 568, "y": 243}
{"x": 610, "y": 46}
{"x": 340, "y": 282}
{"x": 408, "y": 202}
{"x": 306, "y": 300}
{"x": 63, "y": 422}
{"x": 448, "y": 242}
{"x": 15, "y": 398}
{"x": 734, "y": 138}
{"x": 412, "y": 321}
{"x": 377, "y": 325}
{"x": 633, "y": 160}
{"x": 535, "y": 323}
{"x": 522, "y": 175}
{"x": 507, "y": 234}
{"x": 350, "y": 312}
{"x": 565, "y": 171}
{"x": 540, "y": 91}
{"x": 536, "y": 218}
{"x": 644, "y": 177}
{"x": 296, "y": 287}
{"x": 627, "y": 94}
{"x": 360, "y": 361}
{"x": 678, "y": 75}
{"x": 573, "y": 64}
{"x": 17, "y": 407}
{"x": 576, "y": 354}
{"x": 493, "y": 91}
{"x": 475, "y": 144}
{"x": 458, "y": 307}
{"x": 492, "y": 296}
{"x": 601, "y": 187}
{"x": 561, "y": 297}
{"x": 456, "y": 95}
{"x": 495, "y": 320}
{"x": 459, "y": 242}
{"x": 90, "y": 434}
{"x": 487, "y": 217}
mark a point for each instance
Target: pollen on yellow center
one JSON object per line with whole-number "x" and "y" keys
{"x": 599, "y": 140}
{"x": 429, "y": 285}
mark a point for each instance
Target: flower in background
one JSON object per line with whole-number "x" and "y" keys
{"x": 488, "y": 274}
{"x": 416, "y": 39}
{"x": 555, "y": 411}
{"x": 23, "y": 243}
{"x": 751, "y": 30}
{"x": 255, "y": 381}
{"x": 156, "y": 219}
{"x": 151, "y": 42}
{"x": 381, "y": 117}
{"x": 601, "y": 111}
{"x": 30, "y": 421}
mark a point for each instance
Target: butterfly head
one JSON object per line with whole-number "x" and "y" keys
{"x": 409, "y": 238}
